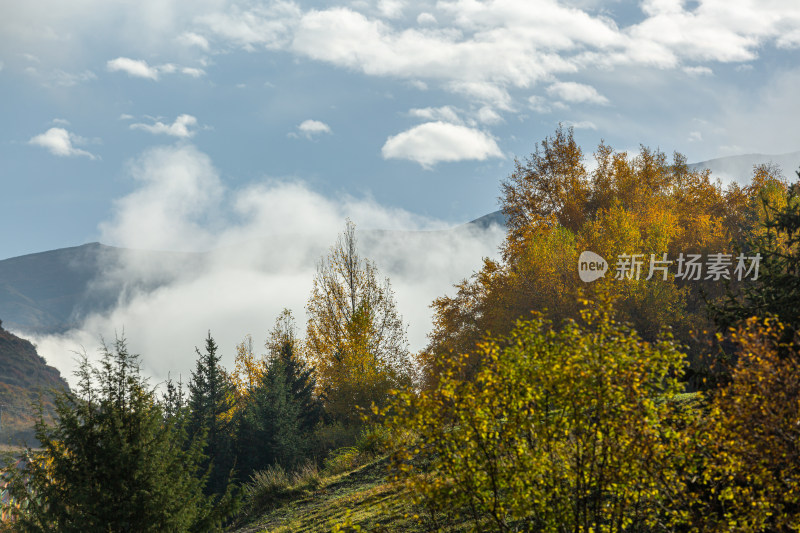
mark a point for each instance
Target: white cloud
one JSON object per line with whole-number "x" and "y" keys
{"x": 125, "y": 116}
{"x": 426, "y": 19}
{"x": 269, "y": 24}
{"x": 193, "y": 72}
{"x": 309, "y": 128}
{"x": 581, "y": 124}
{"x": 60, "y": 121}
{"x": 391, "y": 8}
{"x": 444, "y": 114}
{"x": 178, "y": 188}
{"x": 181, "y": 127}
{"x": 695, "y": 136}
{"x": 484, "y": 92}
{"x": 570, "y": 91}
{"x": 58, "y": 78}
{"x": 1, "y": 66}
{"x": 193, "y": 39}
{"x": 139, "y": 68}
{"x": 538, "y": 104}
{"x": 698, "y": 71}
{"x": 487, "y": 115}
{"x": 136, "y": 68}
{"x": 434, "y": 142}
{"x": 60, "y": 142}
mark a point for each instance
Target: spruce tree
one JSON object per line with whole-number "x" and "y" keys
{"x": 210, "y": 407}
{"x": 276, "y": 425}
{"x": 111, "y": 462}
{"x": 776, "y": 291}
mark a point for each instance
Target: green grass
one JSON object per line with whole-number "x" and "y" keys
{"x": 363, "y": 494}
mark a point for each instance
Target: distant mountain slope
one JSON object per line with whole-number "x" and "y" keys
{"x": 740, "y": 167}
{"x": 49, "y": 292}
{"x": 23, "y": 376}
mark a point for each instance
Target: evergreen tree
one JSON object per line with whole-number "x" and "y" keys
{"x": 210, "y": 407}
{"x": 112, "y": 463}
{"x": 282, "y": 411}
{"x": 776, "y": 291}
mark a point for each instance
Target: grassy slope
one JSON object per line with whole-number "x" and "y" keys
{"x": 371, "y": 501}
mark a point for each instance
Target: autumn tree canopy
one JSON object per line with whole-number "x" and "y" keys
{"x": 356, "y": 339}
{"x": 628, "y": 204}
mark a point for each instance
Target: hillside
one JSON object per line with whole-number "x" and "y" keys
{"x": 23, "y": 376}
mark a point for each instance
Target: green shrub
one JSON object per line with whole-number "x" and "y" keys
{"x": 266, "y": 487}
{"x": 374, "y": 440}
{"x": 342, "y": 460}
{"x": 307, "y": 476}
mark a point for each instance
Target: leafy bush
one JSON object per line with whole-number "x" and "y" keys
{"x": 374, "y": 439}
{"x": 747, "y": 456}
{"x": 559, "y": 431}
{"x": 342, "y": 460}
{"x": 266, "y": 487}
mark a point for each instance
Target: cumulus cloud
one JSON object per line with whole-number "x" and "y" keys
{"x": 487, "y": 115}
{"x": 573, "y": 92}
{"x": 435, "y": 142}
{"x": 310, "y": 128}
{"x": 139, "y": 68}
{"x": 391, "y": 8}
{"x": 193, "y": 39}
{"x": 61, "y": 142}
{"x": 183, "y": 127}
{"x": 136, "y": 68}
{"x": 264, "y": 24}
{"x": 193, "y": 72}
{"x": 229, "y": 278}
{"x": 426, "y": 19}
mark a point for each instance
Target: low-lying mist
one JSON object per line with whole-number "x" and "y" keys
{"x": 245, "y": 255}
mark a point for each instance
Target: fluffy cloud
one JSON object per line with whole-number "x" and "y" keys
{"x": 60, "y": 142}
{"x": 268, "y": 24}
{"x": 139, "y": 68}
{"x": 434, "y": 142}
{"x": 193, "y": 39}
{"x": 570, "y": 91}
{"x": 181, "y": 127}
{"x": 136, "y": 68}
{"x": 310, "y": 128}
{"x": 480, "y": 49}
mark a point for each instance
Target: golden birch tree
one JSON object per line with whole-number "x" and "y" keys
{"x": 356, "y": 339}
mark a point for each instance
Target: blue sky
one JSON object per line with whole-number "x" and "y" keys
{"x": 417, "y": 107}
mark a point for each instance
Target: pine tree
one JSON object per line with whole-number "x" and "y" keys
{"x": 111, "y": 462}
{"x": 211, "y": 408}
{"x": 776, "y": 291}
